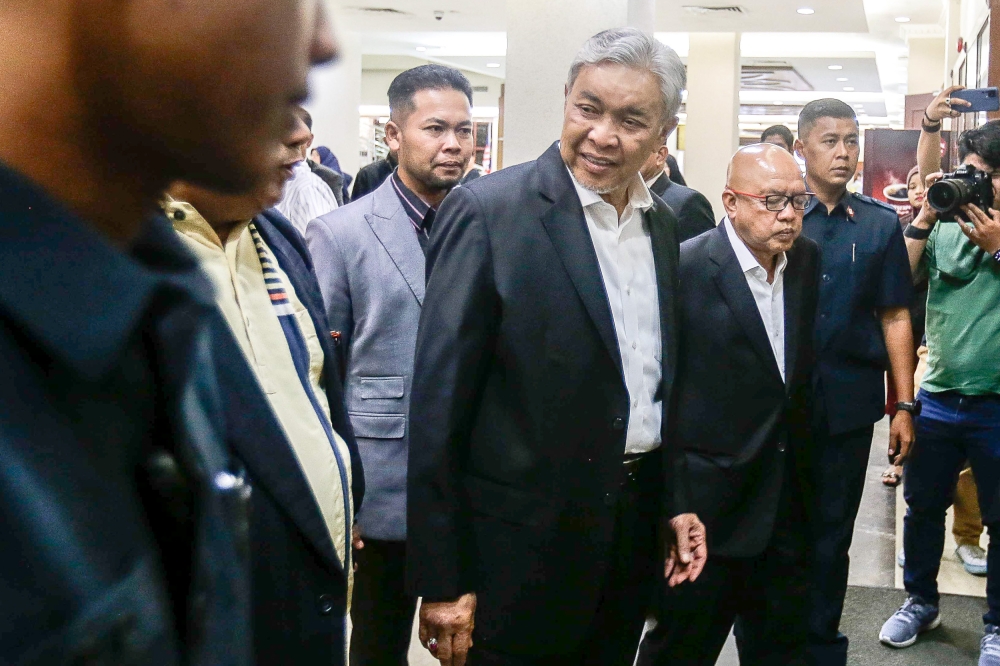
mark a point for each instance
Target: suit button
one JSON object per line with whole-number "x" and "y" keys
{"x": 826, "y": 277}
{"x": 609, "y": 499}
{"x": 781, "y": 447}
{"x": 618, "y": 423}
{"x": 326, "y": 604}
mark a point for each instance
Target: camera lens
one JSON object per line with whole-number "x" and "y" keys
{"x": 945, "y": 196}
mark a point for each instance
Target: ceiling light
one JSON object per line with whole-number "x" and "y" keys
{"x": 421, "y": 48}
{"x": 835, "y": 67}
{"x": 778, "y": 103}
{"x": 805, "y": 11}
{"x": 493, "y": 65}
{"x": 842, "y": 79}
{"x": 848, "y": 89}
{"x": 902, "y": 19}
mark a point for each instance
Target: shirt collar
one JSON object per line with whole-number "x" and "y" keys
{"x": 188, "y": 221}
{"x": 843, "y": 203}
{"x": 748, "y": 262}
{"x": 639, "y": 197}
{"x": 77, "y": 295}
{"x": 416, "y": 208}
{"x": 652, "y": 181}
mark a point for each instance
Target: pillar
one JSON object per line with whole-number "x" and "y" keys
{"x": 923, "y": 68}
{"x": 952, "y": 30}
{"x": 713, "y": 102}
{"x": 538, "y": 60}
{"x": 334, "y": 101}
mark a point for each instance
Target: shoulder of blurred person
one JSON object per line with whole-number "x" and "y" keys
{"x": 675, "y": 171}
{"x": 333, "y": 179}
{"x": 370, "y": 177}
{"x": 693, "y": 211}
{"x": 306, "y": 197}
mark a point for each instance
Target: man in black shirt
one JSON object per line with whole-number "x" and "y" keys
{"x": 373, "y": 175}
{"x": 124, "y": 520}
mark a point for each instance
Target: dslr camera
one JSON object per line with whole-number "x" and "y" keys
{"x": 968, "y": 185}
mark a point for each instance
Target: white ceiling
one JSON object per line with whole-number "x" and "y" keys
{"x": 860, "y": 35}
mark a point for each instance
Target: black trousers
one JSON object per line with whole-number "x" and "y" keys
{"x": 766, "y": 595}
{"x": 382, "y": 612}
{"x": 626, "y": 590}
{"x": 839, "y": 481}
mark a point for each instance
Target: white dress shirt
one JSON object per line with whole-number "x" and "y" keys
{"x": 306, "y": 197}
{"x": 625, "y": 255}
{"x": 770, "y": 297}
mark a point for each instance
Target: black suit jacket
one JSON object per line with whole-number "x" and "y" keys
{"x": 694, "y": 213}
{"x": 299, "y": 588}
{"x": 520, "y": 410}
{"x": 371, "y": 176}
{"x": 736, "y": 420}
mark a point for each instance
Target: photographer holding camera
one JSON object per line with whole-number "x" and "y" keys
{"x": 955, "y": 240}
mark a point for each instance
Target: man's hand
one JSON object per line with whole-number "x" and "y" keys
{"x": 356, "y": 542}
{"x": 984, "y": 230}
{"x": 942, "y": 106}
{"x": 901, "y": 437}
{"x": 450, "y": 623}
{"x": 688, "y": 550}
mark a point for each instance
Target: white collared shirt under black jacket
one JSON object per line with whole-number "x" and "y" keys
{"x": 625, "y": 255}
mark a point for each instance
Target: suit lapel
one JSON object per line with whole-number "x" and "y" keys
{"x": 394, "y": 231}
{"x": 665, "y": 257}
{"x": 661, "y": 185}
{"x": 733, "y": 284}
{"x": 793, "y": 308}
{"x": 567, "y": 227}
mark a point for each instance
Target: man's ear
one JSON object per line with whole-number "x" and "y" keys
{"x": 729, "y": 203}
{"x": 797, "y": 148}
{"x": 392, "y": 133}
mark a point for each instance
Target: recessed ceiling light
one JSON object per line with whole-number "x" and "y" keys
{"x": 902, "y": 19}
{"x": 842, "y": 79}
{"x": 805, "y": 11}
{"x": 848, "y": 89}
{"x": 493, "y": 64}
{"x": 421, "y": 48}
{"x": 835, "y": 67}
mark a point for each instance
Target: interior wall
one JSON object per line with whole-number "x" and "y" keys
{"x": 375, "y": 85}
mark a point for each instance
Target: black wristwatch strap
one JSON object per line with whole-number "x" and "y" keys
{"x": 916, "y": 233}
{"x": 913, "y": 408}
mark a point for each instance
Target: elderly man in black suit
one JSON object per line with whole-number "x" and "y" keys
{"x": 542, "y": 486}
{"x": 742, "y": 395}
{"x": 694, "y": 213}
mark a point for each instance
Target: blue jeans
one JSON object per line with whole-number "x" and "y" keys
{"x": 952, "y": 429}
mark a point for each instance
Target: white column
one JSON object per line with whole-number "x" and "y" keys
{"x": 712, "y": 128}
{"x": 334, "y": 102}
{"x": 923, "y": 68}
{"x": 542, "y": 38}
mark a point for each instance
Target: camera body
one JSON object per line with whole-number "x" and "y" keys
{"x": 968, "y": 185}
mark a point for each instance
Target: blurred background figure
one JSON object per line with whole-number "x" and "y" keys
{"x": 325, "y": 157}
{"x": 779, "y": 135}
{"x": 694, "y": 213}
{"x": 307, "y": 195}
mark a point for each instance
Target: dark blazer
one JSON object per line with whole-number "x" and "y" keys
{"x": 520, "y": 410}
{"x": 694, "y": 213}
{"x": 299, "y": 588}
{"x": 734, "y": 417}
{"x": 371, "y": 176}
{"x": 675, "y": 171}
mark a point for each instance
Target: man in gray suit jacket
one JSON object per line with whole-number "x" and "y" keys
{"x": 370, "y": 263}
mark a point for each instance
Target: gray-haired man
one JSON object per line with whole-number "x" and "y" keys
{"x": 539, "y": 472}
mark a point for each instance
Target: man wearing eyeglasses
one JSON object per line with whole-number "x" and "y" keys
{"x": 862, "y": 329}
{"x": 743, "y": 419}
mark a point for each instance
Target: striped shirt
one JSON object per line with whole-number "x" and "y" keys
{"x": 280, "y": 342}
{"x": 421, "y": 215}
{"x": 306, "y": 197}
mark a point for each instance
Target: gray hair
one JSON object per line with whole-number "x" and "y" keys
{"x": 633, "y": 48}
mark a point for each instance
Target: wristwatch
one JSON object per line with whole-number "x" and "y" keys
{"x": 914, "y": 408}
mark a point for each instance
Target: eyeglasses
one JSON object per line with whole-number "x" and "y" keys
{"x": 777, "y": 202}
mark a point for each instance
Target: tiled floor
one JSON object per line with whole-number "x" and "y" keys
{"x": 878, "y": 534}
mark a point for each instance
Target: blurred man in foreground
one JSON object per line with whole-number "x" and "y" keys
{"x": 273, "y": 350}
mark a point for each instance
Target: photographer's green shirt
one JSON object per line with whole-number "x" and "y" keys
{"x": 963, "y": 315}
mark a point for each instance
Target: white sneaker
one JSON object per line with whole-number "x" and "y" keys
{"x": 973, "y": 559}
